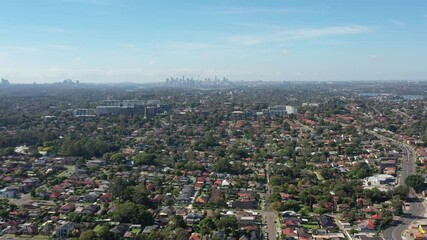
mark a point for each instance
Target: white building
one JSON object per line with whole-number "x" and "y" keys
{"x": 291, "y": 110}
{"x": 380, "y": 181}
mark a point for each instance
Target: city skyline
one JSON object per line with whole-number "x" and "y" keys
{"x": 147, "y": 41}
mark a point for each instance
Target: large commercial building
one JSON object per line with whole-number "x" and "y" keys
{"x": 281, "y": 110}
{"x": 84, "y": 112}
{"x": 128, "y": 107}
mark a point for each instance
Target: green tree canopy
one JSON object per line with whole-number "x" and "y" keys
{"x": 145, "y": 159}
{"x": 130, "y": 212}
{"x": 206, "y": 226}
{"x": 226, "y": 223}
{"x": 87, "y": 235}
{"x": 119, "y": 188}
{"x": 140, "y": 196}
{"x": 117, "y": 158}
{"x": 415, "y": 181}
{"x": 103, "y": 232}
{"x": 222, "y": 165}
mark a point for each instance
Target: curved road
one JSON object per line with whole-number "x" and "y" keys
{"x": 416, "y": 210}
{"x": 399, "y": 226}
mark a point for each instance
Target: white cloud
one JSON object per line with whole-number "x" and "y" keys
{"x": 327, "y": 31}
{"x": 254, "y": 10}
{"x": 304, "y": 33}
{"x": 373, "y": 56}
{"x": 284, "y": 51}
{"x": 397, "y": 23}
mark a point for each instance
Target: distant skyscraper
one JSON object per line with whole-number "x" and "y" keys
{"x": 4, "y": 81}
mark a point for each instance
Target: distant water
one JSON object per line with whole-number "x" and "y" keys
{"x": 405, "y": 97}
{"x": 412, "y": 97}
{"x": 373, "y": 94}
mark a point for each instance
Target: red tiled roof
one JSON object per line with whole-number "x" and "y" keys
{"x": 370, "y": 225}
{"x": 286, "y": 195}
{"x": 55, "y": 195}
{"x": 201, "y": 200}
{"x": 419, "y": 235}
{"x": 200, "y": 179}
{"x": 289, "y": 232}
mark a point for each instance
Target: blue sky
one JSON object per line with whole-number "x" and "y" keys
{"x": 145, "y": 41}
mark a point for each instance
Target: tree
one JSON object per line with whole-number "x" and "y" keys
{"x": 74, "y": 217}
{"x": 292, "y": 205}
{"x": 387, "y": 217}
{"x": 275, "y": 197}
{"x": 401, "y": 191}
{"x": 176, "y": 221}
{"x": 4, "y": 214}
{"x": 130, "y": 212}
{"x": 415, "y": 181}
{"x": 397, "y": 205}
{"x": 375, "y": 195}
{"x": 206, "y": 226}
{"x": 140, "y": 196}
{"x": 222, "y": 165}
{"x": 227, "y": 223}
{"x": 103, "y": 232}
{"x": 305, "y": 197}
{"x": 154, "y": 235}
{"x": 175, "y": 234}
{"x": 117, "y": 158}
{"x": 276, "y": 206}
{"x": 119, "y": 188}
{"x": 87, "y": 235}
{"x": 145, "y": 159}
{"x": 33, "y": 193}
{"x": 360, "y": 170}
{"x": 321, "y": 210}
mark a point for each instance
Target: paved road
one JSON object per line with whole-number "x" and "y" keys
{"x": 408, "y": 165}
{"x": 417, "y": 208}
{"x": 399, "y": 226}
{"x": 270, "y": 216}
{"x": 340, "y": 226}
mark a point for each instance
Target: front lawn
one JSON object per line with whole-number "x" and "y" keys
{"x": 310, "y": 226}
